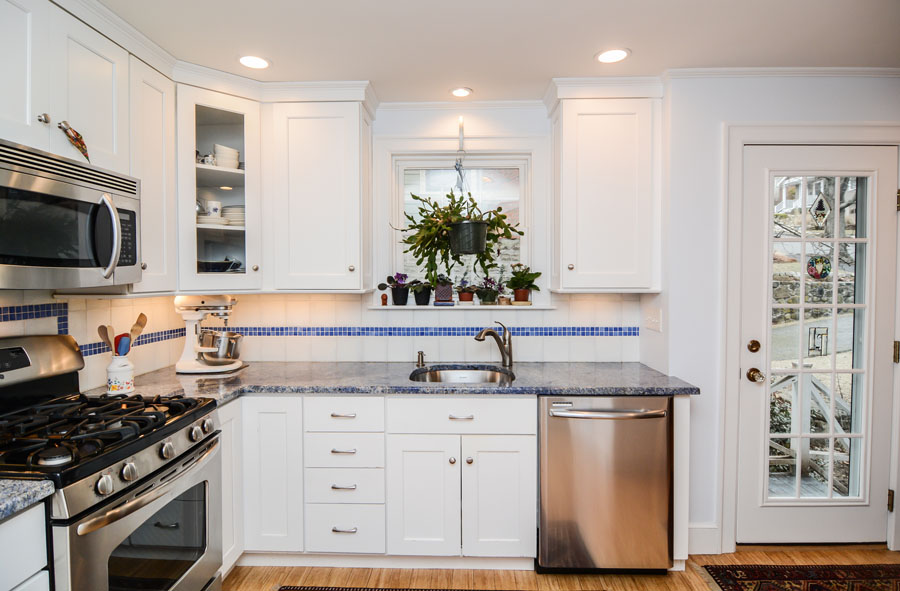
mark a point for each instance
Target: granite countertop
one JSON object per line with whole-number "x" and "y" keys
{"x": 17, "y": 495}
{"x": 557, "y": 379}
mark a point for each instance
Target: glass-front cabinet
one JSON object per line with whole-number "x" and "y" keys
{"x": 218, "y": 189}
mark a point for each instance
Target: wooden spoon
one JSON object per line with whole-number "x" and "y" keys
{"x": 104, "y": 334}
{"x": 138, "y": 327}
{"x": 111, "y": 335}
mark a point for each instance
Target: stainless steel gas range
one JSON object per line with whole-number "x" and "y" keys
{"x": 138, "y": 499}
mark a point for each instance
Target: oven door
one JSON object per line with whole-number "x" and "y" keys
{"x": 57, "y": 235}
{"x": 165, "y": 537}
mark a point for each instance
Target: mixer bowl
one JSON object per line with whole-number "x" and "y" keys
{"x": 227, "y": 344}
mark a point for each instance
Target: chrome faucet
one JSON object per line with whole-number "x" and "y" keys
{"x": 504, "y": 343}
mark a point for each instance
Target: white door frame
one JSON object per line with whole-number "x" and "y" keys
{"x": 735, "y": 137}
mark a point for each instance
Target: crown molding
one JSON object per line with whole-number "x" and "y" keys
{"x": 459, "y": 105}
{"x": 606, "y": 87}
{"x": 110, "y": 25}
{"x": 212, "y": 79}
{"x": 682, "y": 73}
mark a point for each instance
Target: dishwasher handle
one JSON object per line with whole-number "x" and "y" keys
{"x": 614, "y": 415}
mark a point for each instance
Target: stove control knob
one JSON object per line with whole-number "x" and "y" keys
{"x": 195, "y": 434}
{"x": 208, "y": 426}
{"x": 104, "y": 486}
{"x": 167, "y": 450}
{"x": 129, "y": 472}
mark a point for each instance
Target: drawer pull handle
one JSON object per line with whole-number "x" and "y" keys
{"x": 465, "y": 418}
{"x": 349, "y": 415}
{"x": 339, "y": 530}
{"x": 161, "y": 525}
{"x": 343, "y": 451}
{"x": 339, "y": 487}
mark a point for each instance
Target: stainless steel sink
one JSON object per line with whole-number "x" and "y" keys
{"x": 463, "y": 374}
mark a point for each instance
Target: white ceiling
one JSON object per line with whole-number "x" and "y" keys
{"x": 416, "y": 50}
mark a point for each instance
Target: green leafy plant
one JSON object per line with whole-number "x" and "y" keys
{"x": 396, "y": 280}
{"x": 489, "y": 289}
{"x": 523, "y": 278}
{"x": 416, "y": 286}
{"x": 428, "y": 234}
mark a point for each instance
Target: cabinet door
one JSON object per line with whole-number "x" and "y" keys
{"x": 23, "y": 69}
{"x": 606, "y": 204}
{"x": 318, "y": 195}
{"x": 152, "y": 99}
{"x": 232, "y": 439}
{"x": 499, "y": 495}
{"x": 422, "y": 499}
{"x": 273, "y": 462}
{"x": 206, "y": 118}
{"x": 89, "y": 89}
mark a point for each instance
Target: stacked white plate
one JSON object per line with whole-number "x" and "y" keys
{"x": 234, "y": 214}
{"x": 214, "y": 220}
{"x": 225, "y": 156}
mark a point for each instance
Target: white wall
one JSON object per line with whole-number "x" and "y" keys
{"x": 697, "y": 110}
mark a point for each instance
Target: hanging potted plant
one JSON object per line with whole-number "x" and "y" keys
{"x": 399, "y": 288}
{"x": 488, "y": 291}
{"x": 522, "y": 282}
{"x": 434, "y": 235}
{"x": 421, "y": 291}
{"x": 466, "y": 291}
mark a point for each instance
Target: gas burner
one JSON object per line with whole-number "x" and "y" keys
{"x": 56, "y": 455}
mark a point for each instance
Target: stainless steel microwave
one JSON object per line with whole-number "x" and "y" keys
{"x": 64, "y": 224}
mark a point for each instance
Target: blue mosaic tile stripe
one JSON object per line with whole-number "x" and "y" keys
{"x": 34, "y": 311}
{"x": 432, "y": 331}
{"x": 145, "y": 339}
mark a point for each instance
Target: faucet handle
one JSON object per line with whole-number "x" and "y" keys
{"x": 505, "y": 330}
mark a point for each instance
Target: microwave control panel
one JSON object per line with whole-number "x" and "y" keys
{"x": 128, "y": 254}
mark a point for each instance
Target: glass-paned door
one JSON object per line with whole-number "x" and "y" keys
{"x": 818, "y": 271}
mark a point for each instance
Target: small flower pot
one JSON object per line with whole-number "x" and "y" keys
{"x": 468, "y": 237}
{"x": 443, "y": 293}
{"x": 488, "y": 299}
{"x": 521, "y": 295}
{"x": 423, "y": 296}
{"x": 466, "y": 296}
{"x": 399, "y": 295}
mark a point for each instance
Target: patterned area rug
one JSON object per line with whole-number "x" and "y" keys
{"x": 292, "y": 588}
{"x": 759, "y": 577}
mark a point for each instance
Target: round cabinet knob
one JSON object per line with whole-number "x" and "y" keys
{"x": 104, "y": 486}
{"x": 754, "y": 375}
{"x": 753, "y": 346}
{"x": 195, "y": 434}
{"x": 255, "y": 267}
{"x": 571, "y": 267}
{"x": 452, "y": 460}
{"x": 129, "y": 472}
{"x": 470, "y": 460}
{"x": 167, "y": 450}
{"x": 352, "y": 268}
{"x": 143, "y": 266}
{"x": 44, "y": 118}
{"x": 208, "y": 426}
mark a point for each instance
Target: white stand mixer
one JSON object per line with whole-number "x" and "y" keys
{"x": 194, "y": 309}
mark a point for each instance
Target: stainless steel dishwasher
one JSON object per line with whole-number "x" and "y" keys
{"x": 606, "y": 483}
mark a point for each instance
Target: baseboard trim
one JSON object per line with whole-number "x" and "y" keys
{"x": 704, "y": 538}
{"x": 382, "y": 561}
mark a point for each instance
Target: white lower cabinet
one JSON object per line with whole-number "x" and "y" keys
{"x": 232, "y": 438}
{"x": 23, "y": 538}
{"x": 39, "y": 582}
{"x": 344, "y": 485}
{"x": 273, "y": 483}
{"x": 345, "y": 528}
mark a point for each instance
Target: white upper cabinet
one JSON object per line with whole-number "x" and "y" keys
{"x": 88, "y": 89}
{"x": 322, "y": 154}
{"x": 215, "y": 255}
{"x": 153, "y": 161}
{"x": 23, "y": 69}
{"x": 606, "y": 195}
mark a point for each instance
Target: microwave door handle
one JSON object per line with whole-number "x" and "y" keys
{"x": 137, "y": 503}
{"x": 106, "y": 200}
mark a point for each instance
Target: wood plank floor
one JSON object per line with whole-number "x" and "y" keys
{"x": 270, "y": 578}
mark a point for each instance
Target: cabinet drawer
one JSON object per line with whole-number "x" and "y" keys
{"x": 23, "y": 539}
{"x": 343, "y": 413}
{"x": 499, "y": 416}
{"x": 360, "y": 528}
{"x": 39, "y": 582}
{"x": 344, "y": 485}
{"x": 344, "y": 450}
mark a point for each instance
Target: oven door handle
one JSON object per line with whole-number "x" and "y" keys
{"x": 137, "y": 503}
{"x": 106, "y": 200}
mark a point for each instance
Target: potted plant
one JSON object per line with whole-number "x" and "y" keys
{"x": 421, "y": 291}
{"x": 522, "y": 282}
{"x": 488, "y": 291}
{"x": 443, "y": 289}
{"x": 466, "y": 291}
{"x": 399, "y": 288}
{"x": 438, "y": 235}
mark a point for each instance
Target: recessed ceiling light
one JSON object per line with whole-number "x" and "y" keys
{"x": 461, "y": 92}
{"x": 225, "y": 188}
{"x": 257, "y": 63}
{"x": 611, "y": 56}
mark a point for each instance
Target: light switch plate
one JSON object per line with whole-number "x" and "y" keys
{"x": 653, "y": 319}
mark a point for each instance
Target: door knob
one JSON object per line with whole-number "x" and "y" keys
{"x": 44, "y": 118}
{"x": 469, "y": 460}
{"x": 571, "y": 267}
{"x": 351, "y": 268}
{"x": 255, "y": 267}
{"x": 753, "y": 346}
{"x": 754, "y": 375}
{"x": 452, "y": 460}
{"x": 143, "y": 266}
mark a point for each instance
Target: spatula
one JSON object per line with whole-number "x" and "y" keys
{"x": 138, "y": 327}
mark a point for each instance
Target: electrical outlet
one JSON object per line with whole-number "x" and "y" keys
{"x": 653, "y": 319}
